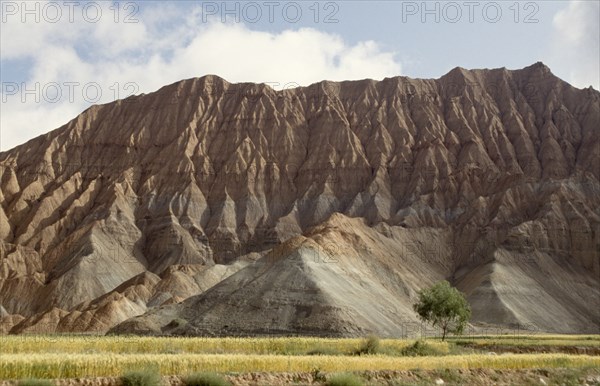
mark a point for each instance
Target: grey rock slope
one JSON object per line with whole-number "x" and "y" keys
{"x": 182, "y": 197}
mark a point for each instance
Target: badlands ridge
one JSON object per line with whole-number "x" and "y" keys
{"x": 215, "y": 208}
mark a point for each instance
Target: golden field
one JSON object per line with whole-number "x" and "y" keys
{"x": 91, "y": 356}
{"x": 15, "y": 344}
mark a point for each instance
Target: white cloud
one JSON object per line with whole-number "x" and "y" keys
{"x": 576, "y": 49}
{"x": 166, "y": 45}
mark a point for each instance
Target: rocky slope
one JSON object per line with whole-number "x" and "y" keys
{"x": 317, "y": 210}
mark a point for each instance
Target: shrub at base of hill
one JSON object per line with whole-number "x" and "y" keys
{"x": 146, "y": 377}
{"x": 344, "y": 379}
{"x": 420, "y": 349}
{"x": 205, "y": 379}
{"x": 369, "y": 346}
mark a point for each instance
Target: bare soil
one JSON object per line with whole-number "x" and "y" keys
{"x": 487, "y": 377}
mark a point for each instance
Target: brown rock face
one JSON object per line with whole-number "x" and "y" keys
{"x": 317, "y": 210}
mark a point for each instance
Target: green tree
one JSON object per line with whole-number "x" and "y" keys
{"x": 444, "y": 306}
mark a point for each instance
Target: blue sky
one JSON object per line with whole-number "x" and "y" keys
{"x": 56, "y": 59}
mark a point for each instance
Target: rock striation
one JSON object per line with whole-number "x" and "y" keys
{"x": 318, "y": 210}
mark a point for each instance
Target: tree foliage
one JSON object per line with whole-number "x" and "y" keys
{"x": 444, "y": 306}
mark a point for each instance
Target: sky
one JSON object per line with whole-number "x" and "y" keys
{"x": 57, "y": 58}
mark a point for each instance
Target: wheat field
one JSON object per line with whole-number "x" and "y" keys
{"x": 18, "y": 366}
{"x": 99, "y": 356}
{"x": 14, "y": 344}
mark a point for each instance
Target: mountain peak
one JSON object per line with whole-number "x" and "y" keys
{"x": 538, "y": 68}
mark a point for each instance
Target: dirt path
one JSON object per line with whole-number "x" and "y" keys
{"x": 487, "y": 377}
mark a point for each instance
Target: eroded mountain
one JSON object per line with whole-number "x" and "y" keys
{"x": 317, "y": 210}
